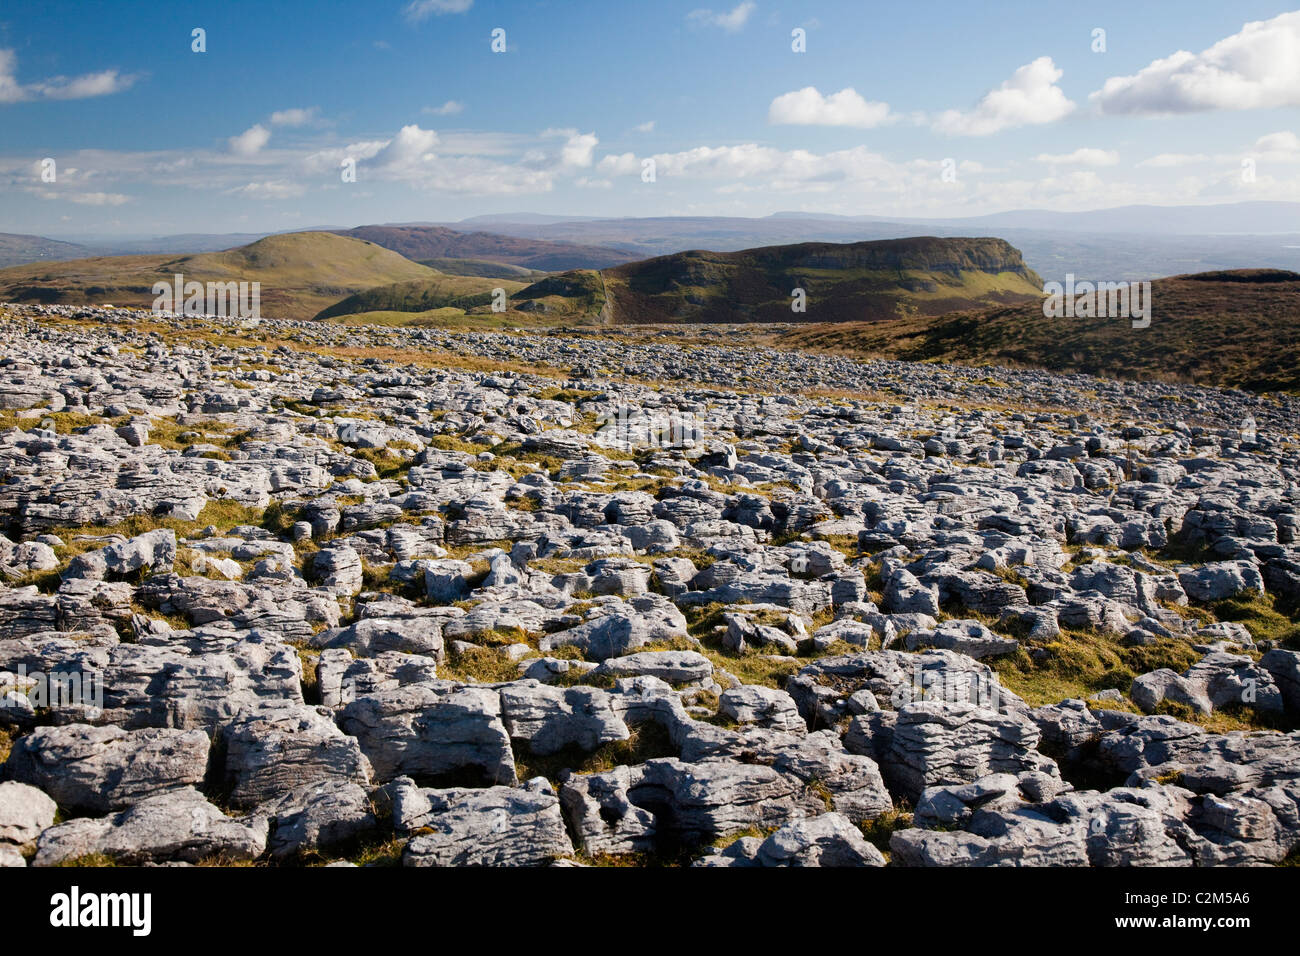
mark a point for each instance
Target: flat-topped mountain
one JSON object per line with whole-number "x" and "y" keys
{"x": 841, "y": 282}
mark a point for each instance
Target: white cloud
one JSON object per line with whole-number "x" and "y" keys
{"x": 1233, "y": 186}
{"x": 1257, "y": 68}
{"x": 1285, "y": 140}
{"x": 423, "y": 9}
{"x": 1171, "y": 160}
{"x": 737, "y": 178}
{"x": 449, "y": 108}
{"x": 1085, "y": 156}
{"x": 482, "y": 143}
{"x": 293, "y": 117}
{"x": 250, "y": 141}
{"x": 415, "y": 157}
{"x": 1030, "y": 97}
{"x": 103, "y": 83}
{"x": 706, "y": 180}
{"x": 782, "y": 169}
{"x": 647, "y": 127}
{"x": 272, "y": 189}
{"x": 863, "y": 179}
{"x": 86, "y": 199}
{"x": 1281, "y": 147}
{"x": 82, "y": 87}
{"x": 731, "y": 21}
{"x": 410, "y": 148}
{"x": 620, "y": 164}
{"x": 807, "y": 107}
{"x": 10, "y": 90}
{"x": 578, "y": 149}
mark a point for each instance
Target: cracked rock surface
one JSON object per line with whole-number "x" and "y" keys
{"x": 313, "y": 593}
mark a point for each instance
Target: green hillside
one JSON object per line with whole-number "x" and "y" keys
{"x": 486, "y": 268}
{"x": 300, "y": 274}
{"x": 423, "y": 295}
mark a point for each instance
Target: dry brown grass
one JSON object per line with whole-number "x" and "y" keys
{"x": 1236, "y": 329}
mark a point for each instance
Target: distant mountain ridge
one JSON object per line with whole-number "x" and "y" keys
{"x": 440, "y": 242}
{"x": 1125, "y": 243}
{"x": 1258, "y": 217}
{"x": 16, "y": 249}
{"x": 1252, "y": 217}
{"x": 1122, "y": 244}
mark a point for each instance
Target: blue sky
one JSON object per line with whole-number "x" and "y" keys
{"x": 918, "y": 109}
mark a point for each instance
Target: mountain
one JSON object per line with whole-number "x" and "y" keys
{"x": 841, "y": 282}
{"x": 18, "y": 249}
{"x": 1239, "y": 329}
{"x": 300, "y": 274}
{"x": 439, "y": 242}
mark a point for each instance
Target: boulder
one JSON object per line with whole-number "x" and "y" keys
{"x": 176, "y": 826}
{"x": 98, "y": 769}
{"x": 25, "y": 813}
{"x": 497, "y": 826}
{"x": 432, "y": 731}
